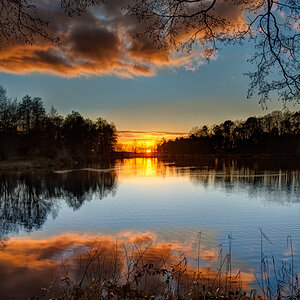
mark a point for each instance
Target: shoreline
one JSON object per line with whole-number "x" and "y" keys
{"x": 20, "y": 165}
{"x": 27, "y": 165}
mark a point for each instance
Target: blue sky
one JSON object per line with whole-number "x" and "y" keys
{"x": 99, "y": 69}
{"x": 173, "y": 99}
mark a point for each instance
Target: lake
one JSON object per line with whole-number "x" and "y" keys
{"x": 200, "y": 209}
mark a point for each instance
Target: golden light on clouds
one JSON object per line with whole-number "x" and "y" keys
{"x": 101, "y": 44}
{"x": 143, "y": 141}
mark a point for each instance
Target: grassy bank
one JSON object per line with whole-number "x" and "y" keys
{"x": 56, "y": 163}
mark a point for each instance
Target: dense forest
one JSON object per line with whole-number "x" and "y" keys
{"x": 27, "y": 131}
{"x": 274, "y": 133}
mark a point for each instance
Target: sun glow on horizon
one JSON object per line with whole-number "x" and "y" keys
{"x": 143, "y": 142}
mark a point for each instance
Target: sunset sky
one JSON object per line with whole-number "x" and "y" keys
{"x": 99, "y": 69}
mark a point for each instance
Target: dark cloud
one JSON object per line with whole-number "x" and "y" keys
{"x": 95, "y": 43}
{"x": 101, "y": 41}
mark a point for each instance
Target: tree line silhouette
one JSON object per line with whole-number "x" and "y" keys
{"x": 274, "y": 133}
{"x": 28, "y": 131}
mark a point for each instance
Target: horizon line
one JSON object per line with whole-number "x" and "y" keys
{"x": 152, "y": 132}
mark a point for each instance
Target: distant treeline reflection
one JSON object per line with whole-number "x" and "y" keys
{"x": 276, "y": 179}
{"x": 27, "y": 200}
{"x": 274, "y": 133}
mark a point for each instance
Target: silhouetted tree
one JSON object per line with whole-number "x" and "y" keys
{"x": 27, "y": 131}
{"x": 8, "y": 113}
{"x": 25, "y": 114}
{"x": 8, "y": 124}
{"x": 73, "y": 132}
{"x": 277, "y": 132}
{"x": 52, "y": 142}
{"x": 38, "y": 113}
{"x": 107, "y": 136}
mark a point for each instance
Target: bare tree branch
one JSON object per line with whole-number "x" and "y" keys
{"x": 273, "y": 25}
{"x": 19, "y": 20}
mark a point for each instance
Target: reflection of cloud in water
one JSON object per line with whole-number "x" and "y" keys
{"x": 27, "y": 200}
{"x": 27, "y": 265}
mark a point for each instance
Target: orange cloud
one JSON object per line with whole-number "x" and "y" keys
{"x": 97, "y": 43}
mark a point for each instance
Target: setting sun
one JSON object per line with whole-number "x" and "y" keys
{"x": 148, "y": 151}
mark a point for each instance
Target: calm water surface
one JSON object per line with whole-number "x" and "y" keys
{"x": 45, "y": 216}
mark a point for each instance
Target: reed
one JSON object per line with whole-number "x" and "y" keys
{"x": 138, "y": 272}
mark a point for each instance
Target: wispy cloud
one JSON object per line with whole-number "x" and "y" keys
{"x": 126, "y": 137}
